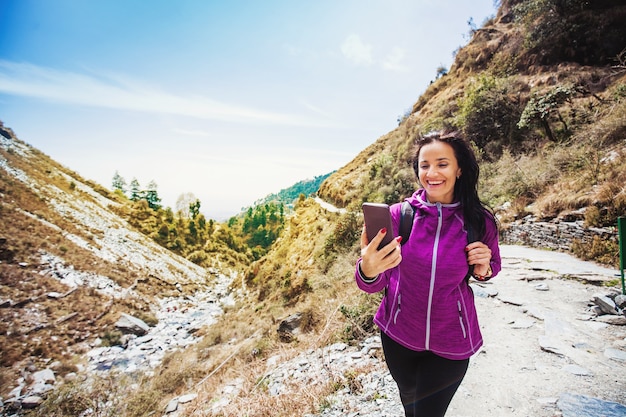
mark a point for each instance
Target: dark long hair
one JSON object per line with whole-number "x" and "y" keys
{"x": 466, "y": 187}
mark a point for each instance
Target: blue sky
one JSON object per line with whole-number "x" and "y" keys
{"x": 228, "y": 100}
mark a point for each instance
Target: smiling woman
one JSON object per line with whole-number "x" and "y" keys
{"x": 427, "y": 317}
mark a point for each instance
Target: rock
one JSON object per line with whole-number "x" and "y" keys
{"x": 536, "y": 313}
{"x": 605, "y": 303}
{"x": 129, "y": 324}
{"x": 290, "y": 327}
{"x": 510, "y": 300}
{"x": 54, "y": 295}
{"x": 45, "y": 376}
{"x": 479, "y": 291}
{"x": 615, "y": 354}
{"x": 550, "y": 345}
{"x": 183, "y": 399}
{"x": 522, "y": 324}
{"x": 171, "y": 406}
{"x": 573, "y": 405}
{"x": 31, "y": 401}
{"x": 16, "y": 392}
{"x": 577, "y": 370}
{"x": 620, "y": 301}
{"x": 71, "y": 377}
{"x": 595, "y": 311}
{"x": 484, "y": 291}
{"x": 612, "y": 319}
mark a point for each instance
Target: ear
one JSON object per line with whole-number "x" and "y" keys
{"x": 458, "y": 173}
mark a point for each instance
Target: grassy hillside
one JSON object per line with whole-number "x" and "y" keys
{"x": 541, "y": 92}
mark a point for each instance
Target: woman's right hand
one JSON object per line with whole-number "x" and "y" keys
{"x": 373, "y": 261}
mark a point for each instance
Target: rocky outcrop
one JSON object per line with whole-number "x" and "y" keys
{"x": 556, "y": 234}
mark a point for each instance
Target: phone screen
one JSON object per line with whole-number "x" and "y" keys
{"x": 377, "y": 216}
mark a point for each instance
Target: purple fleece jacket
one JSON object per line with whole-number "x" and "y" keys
{"x": 428, "y": 304}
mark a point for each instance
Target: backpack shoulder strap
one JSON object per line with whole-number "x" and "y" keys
{"x": 406, "y": 221}
{"x": 470, "y": 239}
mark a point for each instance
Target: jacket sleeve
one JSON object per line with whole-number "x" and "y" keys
{"x": 370, "y": 285}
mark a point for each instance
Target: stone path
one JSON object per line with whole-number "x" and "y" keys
{"x": 544, "y": 354}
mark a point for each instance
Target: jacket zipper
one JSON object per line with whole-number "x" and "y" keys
{"x": 432, "y": 275}
{"x": 461, "y": 319}
{"x": 395, "y": 302}
{"x": 395, "y": 316}
{"x": 463, "y": 315}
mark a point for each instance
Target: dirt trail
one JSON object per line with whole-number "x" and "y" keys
{"x": 541, "y": 343}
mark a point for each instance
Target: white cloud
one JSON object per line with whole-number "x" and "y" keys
{"x": 395, "y": 60}
{"x": 356, "y": 51}
{"x": 118, "y": 92}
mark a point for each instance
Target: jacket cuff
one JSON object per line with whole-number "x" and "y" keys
{"x": 364, "y": 278}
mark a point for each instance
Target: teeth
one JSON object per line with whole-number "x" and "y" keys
{"x": 435, "y": 182}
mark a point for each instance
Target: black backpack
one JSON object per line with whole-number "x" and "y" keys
{"x": 406, "y": 224}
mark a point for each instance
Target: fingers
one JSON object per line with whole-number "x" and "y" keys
{"x": 364, "y": 241}
{"x": 376, "y": 261}
{"x": 375, "y": 241}
{"x": 478, "y": 254}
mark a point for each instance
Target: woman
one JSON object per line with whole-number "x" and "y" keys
{"x": 428, "y": 322}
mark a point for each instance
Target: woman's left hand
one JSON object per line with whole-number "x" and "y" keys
{"x": 479, "y": 255}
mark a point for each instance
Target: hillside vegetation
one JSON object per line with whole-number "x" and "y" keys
{"x": 540, "y": 89}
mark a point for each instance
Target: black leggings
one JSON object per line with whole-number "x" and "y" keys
{"x": 426, "y": 382}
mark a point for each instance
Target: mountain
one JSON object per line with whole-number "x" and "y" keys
{"x": 541, "y": 91}
{"x": 70, "y": 265}
{"x": 289, "y": 195}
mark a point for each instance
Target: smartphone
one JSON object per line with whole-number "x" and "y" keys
{"x": 377, "y": 216}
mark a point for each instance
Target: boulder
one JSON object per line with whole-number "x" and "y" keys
{"x": 290, "y": 327}
{"x": 573, "y": 405}
{"x": 605, "y": 303}
{"x": 31, "y": 401}
{"x": 129, "y": 324}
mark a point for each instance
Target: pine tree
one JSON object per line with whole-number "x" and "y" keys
{"x": 119, "y": 183}
{"x": 135, "y": 190}
{"x": 152, "y": 197}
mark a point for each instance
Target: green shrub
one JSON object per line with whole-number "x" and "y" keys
{"x": 599, "y": 250}
{"x": 488, "y": 115}
{"x": 111, "y": 338}
{"x": 346, "y": 232}
{"x": 359, "y": 318}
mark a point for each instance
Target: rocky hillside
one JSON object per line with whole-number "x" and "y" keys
{"x": 70, "y": 267}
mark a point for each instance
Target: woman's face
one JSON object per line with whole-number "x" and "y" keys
{"x": 438, "y": 171}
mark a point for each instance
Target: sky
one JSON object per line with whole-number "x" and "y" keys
{"x": 227, "y": 100}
